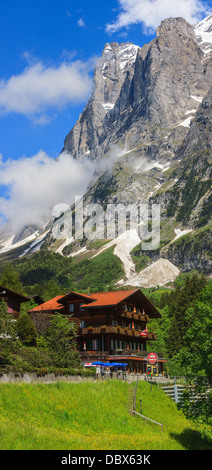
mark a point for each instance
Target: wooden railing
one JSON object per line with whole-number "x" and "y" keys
{"x": 136, "y": 316}
{"x": 93, "y": 330}
{"x": 117, "y": 352}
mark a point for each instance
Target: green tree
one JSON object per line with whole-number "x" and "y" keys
{"x": 7, "y": 322}
{"x": 11, "y": 279}
{"x": 52, "y": 288}
{"x": 26, "y": 330}
{"x": 161, "y": 328}
{"x": 182, "y": 298}
{"x": 61, "y": 341}
{"x": 196, "y": 356}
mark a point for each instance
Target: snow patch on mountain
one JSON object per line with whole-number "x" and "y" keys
{"x": 127, "y": 55}
{"x": 124, "y": 244}
{"x": 179, "y": 233}
{"x": 36, "y": 245}
{"x": 203, "y": 32}
{"x": 197, "y": 98}
{"x": 66, "y": 242}
{"x": 108, "y": 106}
{"x": 8, "y": 244}
{"x": 186, "y": 122}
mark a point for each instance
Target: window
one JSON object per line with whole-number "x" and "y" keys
{"x": 81, "y": 309}
{"x": 96, "y": 346}
{"x": 71, "y": 308}
{"x": 111, "y": 344}
{"x": 82, "y": 324}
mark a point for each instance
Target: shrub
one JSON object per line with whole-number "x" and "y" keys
{"x": 26, "y": 330}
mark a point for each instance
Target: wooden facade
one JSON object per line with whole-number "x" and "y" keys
{"x": 13, "y": 300}
{"x": 109, "y": 325}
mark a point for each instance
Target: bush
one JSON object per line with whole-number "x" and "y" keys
{"x": 26, "y": 330}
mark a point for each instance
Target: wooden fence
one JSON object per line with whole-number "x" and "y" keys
{"x": 176, "y": 393}
{"x": 139, "y": 414}
{"x": 148, "y": 419}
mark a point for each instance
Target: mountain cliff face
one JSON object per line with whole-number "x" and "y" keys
{"x": 152, "y": 106}
{"x": 142, "y": 95}
{"x": 151, "y": 111}
{"x": 142, "y": 105}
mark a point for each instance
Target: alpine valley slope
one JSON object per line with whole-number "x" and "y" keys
{"x": 148, "y": 127}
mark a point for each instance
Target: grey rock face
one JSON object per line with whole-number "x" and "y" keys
{"x": 154, "y": 104}
{"x": 112, "y": 68}
{"x": 142, "y": 95}
{"x": 189, "y": 199}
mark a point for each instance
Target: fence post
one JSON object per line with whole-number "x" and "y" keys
{"x": 175, "y": 390}
{"x": 134, "y": 399}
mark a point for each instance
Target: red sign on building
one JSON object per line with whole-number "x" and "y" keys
{"x": 152, "y": 358}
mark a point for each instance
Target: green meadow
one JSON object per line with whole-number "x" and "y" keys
{"x": 75, "y": 416}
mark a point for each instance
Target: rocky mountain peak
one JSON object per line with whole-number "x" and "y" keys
{"x": 175, "y": 26}
{"x": 203, "y": 32}
{"x": 112, "y": 68}
{"x": 138, "y": 91}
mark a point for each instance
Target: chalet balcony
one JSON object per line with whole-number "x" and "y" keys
{"x": 119, "y": 330}
{"x": 132, "y": 352}
{"x": 136, "y": 316}
{"x": 103, "y": 355}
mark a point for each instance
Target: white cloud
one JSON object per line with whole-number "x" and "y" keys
{"x": 36, "y": 184}
{"x": 81, "y": 23}
{"x": 151, "y": 12}
{"x": 40, "y": 88}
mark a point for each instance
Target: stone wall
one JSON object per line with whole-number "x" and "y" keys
{"x": 47, "y": 378}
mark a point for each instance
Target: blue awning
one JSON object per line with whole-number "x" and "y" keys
{"x": 118, "y": 364}
{"x": 98, "y": 363}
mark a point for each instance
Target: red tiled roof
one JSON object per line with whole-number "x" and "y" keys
{"x": 52, "y": 304}
{"x": 68, "y": 296}
{"x": 101, "y": 298}
{"x": 109, "y": 298}
{"x": 98, "y": 299}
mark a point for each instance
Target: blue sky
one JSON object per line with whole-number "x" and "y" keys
{"x": 47, "y": 56}
{"x": 51, "y": 33}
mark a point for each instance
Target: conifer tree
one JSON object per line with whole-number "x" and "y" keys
{"x": 26, "y": 330}
{"x": 61, "y": 341}
{"x": 7, "y": 322}
{"x": 11, "y": 279}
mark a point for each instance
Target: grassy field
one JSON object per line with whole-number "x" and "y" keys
{"x": 75, "y": 416}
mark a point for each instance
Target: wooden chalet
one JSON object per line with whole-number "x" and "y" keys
{"x": 13, "y": 300}
{"x": 112, "y": 326}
